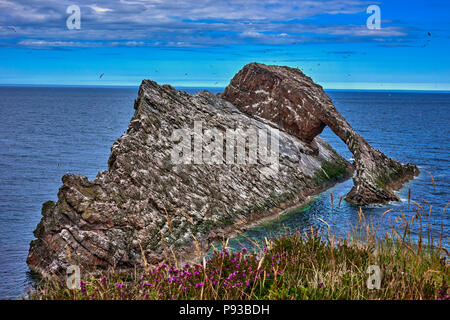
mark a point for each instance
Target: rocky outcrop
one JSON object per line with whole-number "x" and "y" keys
{"x": 147, "y": 205}
{"x": 293, "y": 102}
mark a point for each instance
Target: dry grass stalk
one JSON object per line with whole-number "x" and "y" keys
{"x": 432, "y": 181}
{"x": 418, "y": 205}
{"x": 361, "y": 216}
{"x": 251, "y": 241}
{"x": 163, "y": 243}
{"x": 175, "y": 260}
{"x": 68, "y": 254}
{"x": 169, "y": 224}
{"x": 324, "y": 222}
{"x": 188, "y": 217}
{"x": 445, "y": 208}
{"x": 387, "y": 211}
{"x": 409, "y": 198}
{"x": 197, "y": 247}
{"x": 144, "y": 260}
{"x": 340, "y": 200}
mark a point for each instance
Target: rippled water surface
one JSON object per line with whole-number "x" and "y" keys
{"x": 47, "y": 132}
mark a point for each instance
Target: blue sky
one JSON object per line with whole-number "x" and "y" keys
{"x": 204, "y": 43}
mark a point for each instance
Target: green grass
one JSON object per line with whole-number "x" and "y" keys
{"x": 292, "y": 266}
{"x": 330, "y": 171}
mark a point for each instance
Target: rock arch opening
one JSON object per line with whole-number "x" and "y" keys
{"x": 292, "y": 101}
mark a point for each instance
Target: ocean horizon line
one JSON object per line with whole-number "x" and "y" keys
{"x": 211, "y": 87}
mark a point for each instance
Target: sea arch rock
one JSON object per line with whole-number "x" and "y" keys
{"x": 291, "y": 100}
{"x": 144, "y": 205}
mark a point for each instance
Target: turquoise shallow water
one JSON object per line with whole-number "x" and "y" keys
{"x": 47, "y": 132}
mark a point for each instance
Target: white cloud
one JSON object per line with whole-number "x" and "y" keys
{"x": 252, "y": 34}
{"x": 99, "y": 9}
{"x": 45, "y": 43}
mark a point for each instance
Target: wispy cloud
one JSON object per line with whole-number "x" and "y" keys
{"x": 183, "y": 22}
{"x": 99, "y": 9}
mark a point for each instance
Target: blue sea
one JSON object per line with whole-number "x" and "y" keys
{"x": 48, "y": 132}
